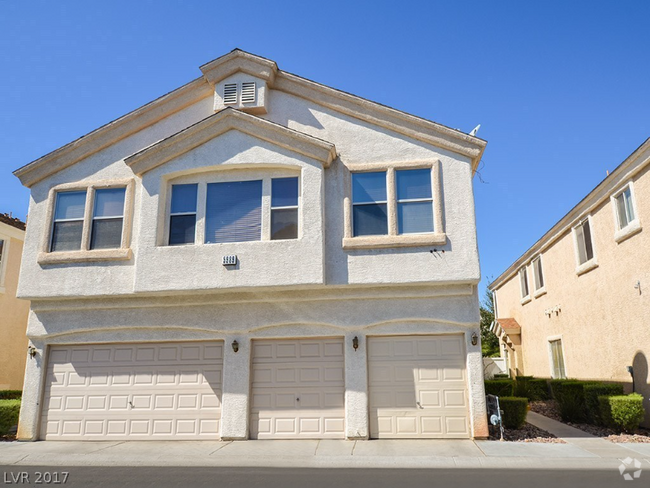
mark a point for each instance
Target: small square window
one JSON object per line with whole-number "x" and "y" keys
{"x": 624, "y": 208}
{"x": 583, "y": 242}
{"x": 182, "y": 219}
{"x": 539, "y": 273}
{"x": 523, "y": 281}
{"x": 369, "y": 204}
{"x": 284, "y": 208}
{"x": 68, "y": 222}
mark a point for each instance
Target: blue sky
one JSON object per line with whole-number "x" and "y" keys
{"x": 561, "y": 89}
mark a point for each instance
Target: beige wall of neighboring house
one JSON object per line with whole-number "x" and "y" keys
{"x": 13, "y": 311}
{"x": 599, "y": 310}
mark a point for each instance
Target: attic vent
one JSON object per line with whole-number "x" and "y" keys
{"x": 248, "y": 92}
{"x": 230, "y": 94}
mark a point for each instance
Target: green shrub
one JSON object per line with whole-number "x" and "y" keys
{"x": 514, "y": 411}
{"x": 623, "y": 412}
{"x": 531, "y": 388}
{"x": 592, "y": 392}
{"x": 570, "y": 398}
{"x": 500, "y": 388}
{"x": 9, "y": 410}
{"x": 11, "y": 394}
{"x": 501, "y": 376}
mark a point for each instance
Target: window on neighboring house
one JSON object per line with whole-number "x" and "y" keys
{"x": 108, "y": 219}
{"x": 523, "y": 281}
{"x": 233, "y": 211}
{"x": 2, "y": 251}
{"x": 583, "y": 241}
{"x": 624, "y": 208}
{"x": 557, "y": 358}
{"x": 539, "y": 273}
{"x": 67, "y": 228}
{"x": 284, "y": 208}
{"x": 182, "y": 218}
{"x": 414, "y": 201}
{"x": 369, "y": 204}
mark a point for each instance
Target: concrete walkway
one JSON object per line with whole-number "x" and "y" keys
{"x": 320, "y": 454}
{"x": 578, "y": 438}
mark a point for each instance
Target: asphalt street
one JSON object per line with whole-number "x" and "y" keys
{"x": 187, "y": 477}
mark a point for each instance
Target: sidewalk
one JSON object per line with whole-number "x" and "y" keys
{"x": 324, "y": 454}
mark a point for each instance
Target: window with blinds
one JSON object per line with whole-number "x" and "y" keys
{"x": 233, "y": 211}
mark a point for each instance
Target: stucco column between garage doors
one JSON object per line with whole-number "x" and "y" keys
{"x": 235, "y": 400}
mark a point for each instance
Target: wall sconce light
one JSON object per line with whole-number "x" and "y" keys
{"x": 474, "y": 338}
{"x": 235, "y": 345}
{"x": 31, "y": 350}
{"x": 355, "y": 343}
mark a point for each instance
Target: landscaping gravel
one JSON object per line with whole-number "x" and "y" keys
{"x": 528, "y": 433}
{"x": 549, "y": 409}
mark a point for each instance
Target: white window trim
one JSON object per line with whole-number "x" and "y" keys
{"x": 393, "y": 239}
{"x": 527, "y": 298}
{"x": 203, "y": 180}
{"x": 85, "y": 254}
{"x": 542, "y": 289}
{"x": 593, "y": 262}
{"x": 634, "y": 226}
{"x": 550, "y": 354}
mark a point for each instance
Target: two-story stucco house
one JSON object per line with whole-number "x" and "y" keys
{"x": 13, "y": 312}
{"x": 254, "y": 255}
{"x": 576, "y": 303}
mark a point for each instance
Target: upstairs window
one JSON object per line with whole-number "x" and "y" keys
{"x": 369, "y": 204}
{"x": 68, "y": 225}
{"x": 414, "y": 201}
{"x": 108, "y": 219}
{"x": 584, "y": 244}
{"x": 539, "y": 273}
{"x": 625, "y": 213}
{"x": 233, "y": 212}
{"x": 284, "y": 208}
{"x": 182, "y": 217}
{"x": 523, "y": 282}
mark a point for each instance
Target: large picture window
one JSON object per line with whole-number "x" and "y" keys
{"x": 233, "y": 212}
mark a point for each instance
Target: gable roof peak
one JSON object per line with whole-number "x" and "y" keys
{"x": 239, "y": 60}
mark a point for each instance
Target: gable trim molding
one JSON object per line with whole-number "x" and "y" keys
{"x": 222, "y": 122}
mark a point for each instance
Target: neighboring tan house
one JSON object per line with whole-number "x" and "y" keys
{"x": 577, "y": 303}
{"x": 254, "y": 255}
{"x": 13, "y": 312}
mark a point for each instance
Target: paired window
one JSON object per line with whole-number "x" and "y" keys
{"x": 234, "y": 211}
{"x": 625, "y": 213}
{"x": 105, "y": 223}
{"x": 413, "y": 200}
{"x": 523, "y": 282}
{"x": 557, "y": 359}
{"x": 539, "y": 273}
{"x": 583, "y": 241}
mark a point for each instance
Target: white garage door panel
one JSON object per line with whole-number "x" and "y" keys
{"x": 297, "y": 389}
{"x": 417, "y": 387}
{"x": 133, "y": 391}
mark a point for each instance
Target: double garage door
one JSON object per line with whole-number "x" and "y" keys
{"x": 417, "y": 388}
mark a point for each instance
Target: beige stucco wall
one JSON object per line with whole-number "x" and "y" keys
{"x": 13, "y": 313}
{"x": 603, "y": 319}
{"x": 309, "y": 287}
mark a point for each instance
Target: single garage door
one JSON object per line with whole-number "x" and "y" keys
{"x": 418, "y": 387}
{"x": 133, "y": 391}
{"x": 297, "y": 389}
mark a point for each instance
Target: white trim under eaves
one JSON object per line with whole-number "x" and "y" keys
{"x": 630, "y": 167}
